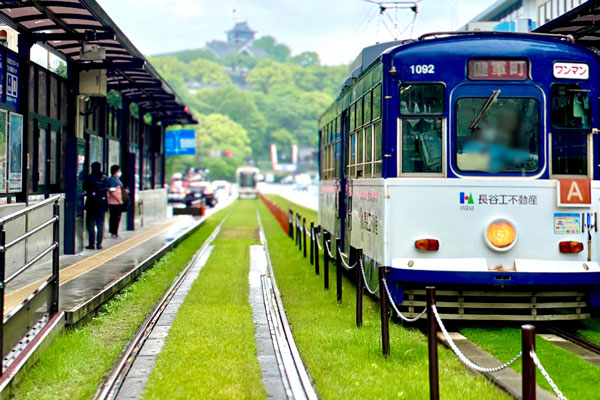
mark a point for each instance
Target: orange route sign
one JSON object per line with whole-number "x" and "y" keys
{"x": 574, "y": 192}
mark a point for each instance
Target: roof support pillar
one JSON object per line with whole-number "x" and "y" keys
{"x": 24, "y": 55}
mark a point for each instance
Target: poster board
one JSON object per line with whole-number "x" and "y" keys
{"x": 15, "y": 153}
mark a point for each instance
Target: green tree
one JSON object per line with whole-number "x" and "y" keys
{"x": 306, "y": 59}
{"x": 218, "y": 133}
{"x": 269, "y": 73}
{"x": 276, "y": 51}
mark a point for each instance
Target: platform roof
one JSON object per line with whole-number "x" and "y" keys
{"x": 64, "y": 25}
{"x": 582, "y": 22}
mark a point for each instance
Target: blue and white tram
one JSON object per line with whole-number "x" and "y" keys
{"x": 470, "y": 162}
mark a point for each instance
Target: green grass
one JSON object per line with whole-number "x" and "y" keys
{"x": 345, "y": 362}
{"x": 210, "y": 352}
{"x": 76, "y": 362}
{"x": 591, "y": 330}
{"x": 576, "y": 378}
{"x": 285, "y": 204}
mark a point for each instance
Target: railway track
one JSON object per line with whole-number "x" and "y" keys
{"x": 111, "y": 387}
{"x": 578, "y": 341}
{"x": 299, "y": 385}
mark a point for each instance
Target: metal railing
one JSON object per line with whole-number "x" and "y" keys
{"x": 16, "y": 323}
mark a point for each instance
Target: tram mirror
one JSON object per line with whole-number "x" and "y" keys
{"x": 570, "y": 107}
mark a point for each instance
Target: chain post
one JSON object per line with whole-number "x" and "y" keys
{"x": 2, "y": 277}
{"x": 528, "y": 378}
{"x": 55, "y": 257}
{"x": 312, "y": 243}
{"x": 304, "y": 236}
{"x": 297, "y": 229}
{"x": 290, "y": 224}
{"x": 383, "y": 308}
{"x": 359, "y": 288}
{"x": 299, "y": 232}
{"x": 326, "y": 239}
{"x": 434, "y": 387}
{"x": 317, "y": 252}
{"x": 338, "y": 269}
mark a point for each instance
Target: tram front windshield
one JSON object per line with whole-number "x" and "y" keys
{"x": 497, "y": 134}
{"x": 247, "y": 179}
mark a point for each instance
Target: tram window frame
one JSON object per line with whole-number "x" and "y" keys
{"x": 352, "y": 117}
{"x": 377, "y": 100}
{"x": 588, "y": 140}
{"x": 443, "y": 139}
{"x": 368, "y": 100}
{"x": 406, "y": 86}
{"x": 573, "y": 87}
{"x": 359, "y": 113}
{"x": 377, "y": 149}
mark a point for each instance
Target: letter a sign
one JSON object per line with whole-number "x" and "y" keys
{"x": 574, "y": 192}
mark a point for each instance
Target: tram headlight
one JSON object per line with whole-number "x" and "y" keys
{"x": 501, "y": 235}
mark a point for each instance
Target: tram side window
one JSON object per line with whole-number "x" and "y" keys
{"x": 569, "y": 154}
{"x": 352, "y": 117}
{"x": 570, "y": 107}
{"x": 377, "y": 146}
{"x": 359, "y": 113}
{"x": 421, "y": 99}
{"x": 422, "y": 145}
{"x": 377, "y": 102}
{"x": 367, "y": 107}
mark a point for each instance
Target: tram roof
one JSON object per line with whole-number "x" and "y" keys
{"x": 582, "y": 22}
{"x": 63, "y": 26}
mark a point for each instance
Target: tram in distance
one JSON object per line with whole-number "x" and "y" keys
{"x": 469, "y": 161}
{"x": 247, "y": 180}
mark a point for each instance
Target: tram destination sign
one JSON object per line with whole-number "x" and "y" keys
{"x": 498, "y": 70}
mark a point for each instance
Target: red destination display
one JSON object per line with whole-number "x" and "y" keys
{"x": 498, "y": 70}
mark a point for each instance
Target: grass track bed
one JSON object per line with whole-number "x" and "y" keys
{"x": 345, "y": 361}
{"x": 76, "y": 362}
{"x": 575, "y": 377}
{"x": 210, "y": 352}
{"x": 591, "y": 330}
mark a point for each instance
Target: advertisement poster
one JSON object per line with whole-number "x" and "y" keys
{"x": 114, "y": 153}
{"x": 3, "y": 145}
{"x": 42, "y": 159}
{"x": 15, "y": 153}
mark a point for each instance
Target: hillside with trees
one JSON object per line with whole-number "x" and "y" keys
{"x": 245, "y": 103}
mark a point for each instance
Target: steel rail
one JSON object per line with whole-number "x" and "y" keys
{"x": 297, "y": 370}
{"x": 112, "y": 385}
{"x": 576, "y": 339}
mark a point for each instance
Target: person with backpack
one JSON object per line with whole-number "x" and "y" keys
{"x": 95, "y": 187}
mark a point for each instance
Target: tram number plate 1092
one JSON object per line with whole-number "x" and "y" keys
{"x": 422, "y": 69}
{"x": 564, "y": 70}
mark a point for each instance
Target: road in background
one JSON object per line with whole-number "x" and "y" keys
{"x": 307, "y": 198}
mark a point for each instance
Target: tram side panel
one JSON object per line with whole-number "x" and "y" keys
{"x": 458, "y": 214}
{"x": 367, "y": 218}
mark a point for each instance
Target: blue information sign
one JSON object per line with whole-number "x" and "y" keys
{"x": 180, "y": 142}
{"x": 12, "y": 80}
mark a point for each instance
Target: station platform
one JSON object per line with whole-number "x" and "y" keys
{"x": 90, "y": 278}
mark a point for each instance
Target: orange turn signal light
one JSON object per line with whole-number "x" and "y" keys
{"x": 427, "y": 244}
{"x": 570, "y": 247}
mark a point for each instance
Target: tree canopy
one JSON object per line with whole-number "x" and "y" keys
{"x": 245, "y": 104}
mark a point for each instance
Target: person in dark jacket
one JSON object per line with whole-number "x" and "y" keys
{"x": 95, "y": 187}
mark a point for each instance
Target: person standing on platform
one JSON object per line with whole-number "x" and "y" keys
{"x": 95, "y": 187}
{"x": 117, "y": 194}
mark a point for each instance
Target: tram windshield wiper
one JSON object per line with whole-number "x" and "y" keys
{"x": 484, "y": 109}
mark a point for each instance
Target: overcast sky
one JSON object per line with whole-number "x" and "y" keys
{"x": 336, "y": 29}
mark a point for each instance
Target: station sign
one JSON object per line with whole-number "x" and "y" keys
{"x": 498, "y": 70}
{"x": 180, "y": 142}
{"x": 566, "y": 70}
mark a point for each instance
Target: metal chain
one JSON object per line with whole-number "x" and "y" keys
{"x": 407, "y": 319}
{"x": 342, "y": 256}
{"x": 538, "y": 363}
{"x": 464, "y": 358}
{"x": 327, "y": 247}
{"x": 362, "y": 270}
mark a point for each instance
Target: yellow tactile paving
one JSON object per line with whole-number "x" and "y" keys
{"x": 71, "y": 272}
